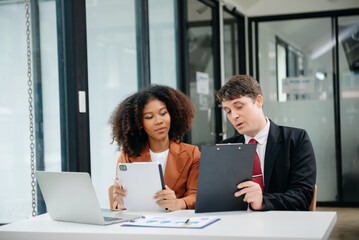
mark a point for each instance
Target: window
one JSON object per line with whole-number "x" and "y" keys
{"x": 15, "y": 192}
{"x": 112, "y": 76}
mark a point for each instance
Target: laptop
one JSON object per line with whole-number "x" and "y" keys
{"x": 221, "y": 168}
{"x": 71, "y": 197}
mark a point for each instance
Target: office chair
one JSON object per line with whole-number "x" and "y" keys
{"x": 110, "y": 196}
{"x": 313, "y": 205}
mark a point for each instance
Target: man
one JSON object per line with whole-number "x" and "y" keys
{"x": 285, "y": 154}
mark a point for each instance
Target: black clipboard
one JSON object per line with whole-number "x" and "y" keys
{"x": 221, "y": 168}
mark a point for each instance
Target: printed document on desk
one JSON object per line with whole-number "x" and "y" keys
{"x": 172, "y": 222}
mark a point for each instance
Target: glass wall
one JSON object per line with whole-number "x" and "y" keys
{"x": 15, "y": 192}
{"x": 50, "y": 85}
{"x": 297, "y": 84}
{"x": 348, "y": 28}
{"x": 15, "y": 175}
{"x": 230, "y": 38}
{"x": 112, "y": 76}
{"x": 112, "y": 64}
{"x": 161, "y": 14}
{"x": 201, "y": 72}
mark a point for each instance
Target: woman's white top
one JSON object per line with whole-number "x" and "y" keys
{"x": 160, "y": 158}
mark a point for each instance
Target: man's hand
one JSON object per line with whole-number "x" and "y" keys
{"x": 167, "y": 199}
{"x": 252, "y": 194}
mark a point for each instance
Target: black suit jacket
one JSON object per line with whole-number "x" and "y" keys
{"x": 289, "y": 168}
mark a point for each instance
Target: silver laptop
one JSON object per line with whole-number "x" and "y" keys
{"x": 71, "y": 197}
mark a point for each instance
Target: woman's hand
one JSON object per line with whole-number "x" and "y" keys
{"x": 119, "y": 193}
{"x": 167, "y": 199}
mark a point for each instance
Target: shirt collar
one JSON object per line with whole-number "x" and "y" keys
{"x": 261, "y": 137}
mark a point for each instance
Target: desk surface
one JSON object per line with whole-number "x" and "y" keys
{"x": 233, "y": 225}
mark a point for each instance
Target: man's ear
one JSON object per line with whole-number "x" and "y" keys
{"x": 259, "y": 101}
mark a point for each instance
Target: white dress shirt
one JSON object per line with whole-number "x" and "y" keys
{"x": 261, "y": 138}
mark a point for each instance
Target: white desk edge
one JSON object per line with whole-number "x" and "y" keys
{"x": 233, "y": 225}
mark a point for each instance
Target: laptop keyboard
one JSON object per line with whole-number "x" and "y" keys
{"x": 110, "y": 219}
{"x": 116, "y": 217}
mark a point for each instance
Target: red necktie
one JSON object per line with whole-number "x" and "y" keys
{"x": 257, "y": 175}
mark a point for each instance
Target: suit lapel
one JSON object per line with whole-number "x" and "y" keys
{"x": 272, "y": 149}
{"x": 241, "y": 139}
{"x": 176, "y": 161}
{"x": 143, "y": 157}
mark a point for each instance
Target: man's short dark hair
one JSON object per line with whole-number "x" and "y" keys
{"x": 239, "y": 86}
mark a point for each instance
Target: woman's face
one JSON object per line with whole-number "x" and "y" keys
{"x": 156, "y": 120}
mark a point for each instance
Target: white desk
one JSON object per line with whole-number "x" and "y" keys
{"x": 233, "y": 225}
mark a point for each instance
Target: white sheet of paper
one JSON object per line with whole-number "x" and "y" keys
{"x": 172, "y": 222}
{"x": 202, "y": 80}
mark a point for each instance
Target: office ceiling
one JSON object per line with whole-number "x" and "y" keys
{"x": 251, "y": 8}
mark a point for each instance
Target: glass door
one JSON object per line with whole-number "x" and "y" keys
{"x": 205, "y": 71}
{"x": 201, "y": 45}
{"x": 296, "y": 76}
{"x": 231, "y": 58}
{"x": 348, "y": 55}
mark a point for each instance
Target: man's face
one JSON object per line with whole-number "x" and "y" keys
{"x": 245, "y": 114}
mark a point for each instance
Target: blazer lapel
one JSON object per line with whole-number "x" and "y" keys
{"x": 144, "y": 156}
{"x": 272, "y": 149}
{"x": 176, "y": 161}
{"x": 241, "y": 139}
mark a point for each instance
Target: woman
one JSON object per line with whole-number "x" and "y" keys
{"x": 149, "y": 126}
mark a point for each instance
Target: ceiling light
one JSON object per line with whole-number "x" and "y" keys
{"x": 321, "y": 76}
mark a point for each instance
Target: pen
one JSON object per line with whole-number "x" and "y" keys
{"x": 186, "y": 222}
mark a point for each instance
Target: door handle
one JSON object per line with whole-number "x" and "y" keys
{"x": 210, "y": 120}
{"x": 224, "y": 126}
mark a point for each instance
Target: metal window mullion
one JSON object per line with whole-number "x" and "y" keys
{"x": 143, "y": 43}
{"x": 38, "y": 100}
{"x": 72, "y": 60}
{"x": 336, "y": 96}
{"x": 250, "y": 46}
{"x": 182, "y": 46}
{"x": 217, "y": 78}
{"x": 256, "y": 49}
{"x": 222, "y": 70}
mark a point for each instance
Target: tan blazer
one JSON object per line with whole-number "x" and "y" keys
{"x": 181, "y": 174}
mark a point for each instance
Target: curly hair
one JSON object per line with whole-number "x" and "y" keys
{"x": 127, "y": 122}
